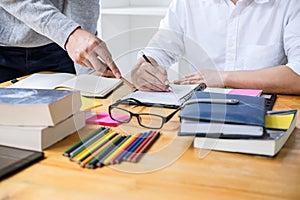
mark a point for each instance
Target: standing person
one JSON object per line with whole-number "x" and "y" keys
{"x": 251, "y": 44}
{"x": 48, "y": 35}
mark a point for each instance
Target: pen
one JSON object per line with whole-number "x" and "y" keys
{"x": 128, "y": 83}
{"x": 148, "y": 61}
{"x": 209, "y": 100}
{"x": 14, "y": 80}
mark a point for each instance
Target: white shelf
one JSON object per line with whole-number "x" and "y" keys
{"x": 145, "y": 11}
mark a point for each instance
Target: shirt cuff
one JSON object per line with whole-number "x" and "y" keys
{"x": 295, "y": 66}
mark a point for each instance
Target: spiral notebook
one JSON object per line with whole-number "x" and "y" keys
{"x": 173, "y": 99}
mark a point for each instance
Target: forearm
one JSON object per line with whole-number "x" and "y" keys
{"x": 279, "y": 79}
{"x": 43, "y": 17}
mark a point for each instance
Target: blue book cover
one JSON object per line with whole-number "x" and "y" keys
{"x": 249, "y": 110}
{"x": 20, "y": 96}
{"x": 37, "y": 107}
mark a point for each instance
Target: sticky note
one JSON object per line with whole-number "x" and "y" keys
{"x": 104, "y": 119}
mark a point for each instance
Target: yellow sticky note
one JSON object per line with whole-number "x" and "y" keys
{"x": 89, "y": 103}
{"x": 279, "y": 121}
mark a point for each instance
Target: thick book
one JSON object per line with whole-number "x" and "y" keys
{"x": 13, "y": 160}
{"x": 172, "y": 99}
{"x": 89, "y": 85}
{"x": 37, "y": 107}
{"x": 279, "y": 127}
{"x": 39, "y": 138}
{"x": 212, "y": 113}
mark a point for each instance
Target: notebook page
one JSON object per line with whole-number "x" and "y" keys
{"x": 91, "y": 84}
{"x": 42, "y": 81}
{"x": 165, "y": 98}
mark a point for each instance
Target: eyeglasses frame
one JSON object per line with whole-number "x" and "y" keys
{"x": 133, "y": 101}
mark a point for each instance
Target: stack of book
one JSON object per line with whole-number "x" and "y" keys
{"x": 235, "y": 123}
{"x": 35, "y": 119}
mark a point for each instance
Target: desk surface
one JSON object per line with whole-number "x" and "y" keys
{"x": 172, "y": 169}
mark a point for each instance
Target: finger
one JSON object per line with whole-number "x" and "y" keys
{"x": 102, "y": 51}
{"x": 158, "y": 73}
{"x": 153, "y": 80}
{"x": 108, "y": 73}
{"x": 195, "y": 74}
{"x": 187, "y": 81}
{"x": 156, "y": 76}
{"x": 154, "y": 86}
{"x": 144, "y": 77}
{"x": 97, "y": 64}
{"x": 145, "y": 85}
{"x": 87, "y": 63}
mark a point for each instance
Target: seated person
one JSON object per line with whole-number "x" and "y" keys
{"x": 251, "y": 44}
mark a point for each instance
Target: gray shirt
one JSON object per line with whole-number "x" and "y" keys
{"x": 33, "y": 23}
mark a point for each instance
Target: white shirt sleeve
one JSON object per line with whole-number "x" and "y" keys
{"x": 292, "y": 37}
{"x": 167, "y": 44}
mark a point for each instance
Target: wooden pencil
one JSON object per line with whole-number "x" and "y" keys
{"x": 91, "y": 146}
{"x": 112, "y": 150}
{"x": 121, "y": 149}
{"x": 119, "y": 158}
{"x": 146, "y": 147}
{"x": 88, "y": 142}
{"x": 93, "y": 159}
{"x": 135, "y": 145}
{"x": 79, "y": 143}
{"x": 94, "y": 147}
{"x": 150, "y": 135}
{"x": 116, "y": 150}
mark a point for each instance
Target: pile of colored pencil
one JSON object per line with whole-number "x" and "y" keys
{"x": 106, "y": 147}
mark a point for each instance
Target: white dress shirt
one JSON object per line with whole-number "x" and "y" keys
{"x": 253, "y": 34}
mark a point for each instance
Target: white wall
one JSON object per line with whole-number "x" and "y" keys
{"x": 127, "y": 26}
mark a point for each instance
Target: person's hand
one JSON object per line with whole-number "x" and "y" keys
{"x": 210, "y": 77}
{"x": 147, "y": 77}
{"x": 87, "y": 50}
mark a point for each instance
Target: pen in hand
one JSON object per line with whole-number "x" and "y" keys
{"x": 148, "y": 61}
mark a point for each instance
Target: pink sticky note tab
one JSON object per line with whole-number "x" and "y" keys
{"x": 249, "y": 92}
{"x": 104, "y": 119}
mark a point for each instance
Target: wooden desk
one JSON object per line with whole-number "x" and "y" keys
{"x": 219, "y": 175}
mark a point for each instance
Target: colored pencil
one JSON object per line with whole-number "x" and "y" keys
{"x": 108, "y": 151}
{"x": 146, "y": 147}
{"x": 94, "y": 162}
{"x": 116, "y": 150}
{"x": 93, "y": 147}
{"x": 135, "y": 145}
{"x": 108, "y": 154}
{"x": 137, "y": 150}
{"x": 79, "y": 143}
{"x": 121, "y": 149}
{"x": 119, "y": 158}
{"x": 88, "y": 142}
{"x": 91, "y": 161}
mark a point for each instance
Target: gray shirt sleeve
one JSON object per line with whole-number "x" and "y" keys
{"x": 42, "y": 16}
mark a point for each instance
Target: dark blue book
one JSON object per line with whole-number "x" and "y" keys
{"x": 223, "y": 115}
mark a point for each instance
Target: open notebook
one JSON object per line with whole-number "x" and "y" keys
{"x": 88, "y": 85}
{"x": 173, "y": 99}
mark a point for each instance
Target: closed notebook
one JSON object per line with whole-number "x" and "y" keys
{"x": 248, "y": 112}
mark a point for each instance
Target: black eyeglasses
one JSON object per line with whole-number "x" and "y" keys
{"x": 146, "y": 120}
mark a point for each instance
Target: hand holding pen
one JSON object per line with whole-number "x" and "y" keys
{"x": 149, "y": 77}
